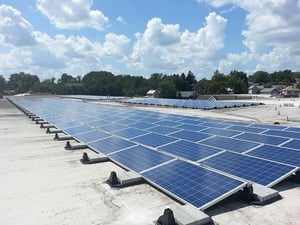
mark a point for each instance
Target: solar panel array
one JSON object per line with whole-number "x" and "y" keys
{"x": 197, "y": 160}
{"x": 195, "y": 104}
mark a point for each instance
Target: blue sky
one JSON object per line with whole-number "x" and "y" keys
{"x": 141, "y": 37}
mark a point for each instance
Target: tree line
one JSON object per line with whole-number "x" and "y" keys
{"x": 169, "y": 86}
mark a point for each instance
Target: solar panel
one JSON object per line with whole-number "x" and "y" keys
{"x": 190, "y": 150}
{"x": 163, "y": 130}
{"x": 112, "y": 127}
{"x": 91, "y": 136}
{"x": 168, "y": 123}
{"x": 77, "y": 130}
{"x": 230, "y": 144}
{"x": 295, "y": 144}
{"x": 191, "y": 127}
{"x": 130, "y": 132}
{"x": 66, "y": 124}
{"x": 257, "y": 170}
{"x": 268, "y": 126}
{"x": 142, "y": 125}
{"x": 99, "y": 123}
{"x": 110, "y": 144}
{"x": 221, "y": 132}
{"x": 154, "y": 140}
{"x": 278, "y": 154}
{"x": 247, "y": 129}
{"x": 262, "y": 138}
{"x": 293, "y": 129}
{"x": 140, "y": 158}
{"x": 193, "y": 184}
{"x": 279, "y": 133}
{"x": 216, "y": 125}
{"x": 191, "y": 135}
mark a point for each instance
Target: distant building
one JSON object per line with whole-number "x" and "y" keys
{"x": 269, "y": 91}
{"x": 187, "y": 94}
{"x": 153, "y": 94}
{"x": 291, "y": 92}
{"x": 254, "y": 90}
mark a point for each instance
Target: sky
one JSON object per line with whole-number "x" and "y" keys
{"x": 142, "y": 37}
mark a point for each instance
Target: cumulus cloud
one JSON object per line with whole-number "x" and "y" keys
{"x": 120, "y": 19}
{"x": 70, "y": 14}
{"x": 14, "y": 29}
{"x": 164, "y": 47}
{"x": 270, "y": 36}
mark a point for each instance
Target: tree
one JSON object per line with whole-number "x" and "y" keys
{"x": 218, "y": 84}
{"x": 190, "y": 81}
{"x": 2, "y": 84}
{"x": 21, "y": 82}
{"x": 238, "y": 81}
{"x": 167, "y": 89}
{"x": 260, "y": 77}
{"x": 202, "y": 86}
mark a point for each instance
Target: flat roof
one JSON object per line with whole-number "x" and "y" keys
{"x": 41, "y": 183}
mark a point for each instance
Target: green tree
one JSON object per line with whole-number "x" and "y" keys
{"x": 22, "y": 82}
{"x": 2, "y": 84}
{"x": 238, "y": 81}
{"x": 260, "y": 77}
{"x": 202, "y": 86}
{"x": 218, "y": 84}
{"x": 167, "y": 89}
{"x": 190, "y": 81}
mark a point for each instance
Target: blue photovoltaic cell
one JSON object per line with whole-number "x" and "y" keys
{"x": 150, "y": 120}
{"x": 262, "y": 138}
{"x": 190, "y": 121}
{"x": 267, "y": 126}
{"x": 126, "y": 121}
{"x": 191, "y": 183}
{"x": 295, "y": 144}
{"x": 77, "y": 130}
{"x": 283, "y": 133}
{"x": 191, "y": 127}
{"x": 253, "y": 169}
{"x": 154, "y": 140}
{"x": 163, "y": 130}
{"x": 66, "y": 125}
{"x": 293, "y": 129}
{"x": 278, "y": 154}
{"x": 130, "y": 132}
{"x": 230, "y": 144}
{"x": 112, "y": 127}
{"x": 167, "y": 123}
{"x": 221, "y": 132}
{"x": 247, "y": 129}
{"x": 100, "y": 123}
{"x": 216, "y": 125}
{"x": 190, "y": 135}
{"x": 111, "y": 144}
{"x": 189, "y": 150}
{"x": 142, "y": 125}
{"x": 91, "y": 136}
{"x": 140, "y": 158}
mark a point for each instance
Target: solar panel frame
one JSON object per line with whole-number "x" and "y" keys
{"x": 191, "y": 135}
{"x": 221, "y": 132}
{"x": 193, "y": 184}
{"x": 257, "y": 170}
{"x": 110, "y": 145}
{"x": 281, "y": 133}
{"x": 294, "y": 144}
{"x": 230, "y": 144}
{"x": 277, "y": 154}
{"x": 262, "y": 138}
{"x": 91, "y": 136}
{"x": 140, "y": 158}
{"x": 154, "y": 140}
{"x": 189, "y": 150}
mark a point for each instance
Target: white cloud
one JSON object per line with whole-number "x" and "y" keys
{"x": 271, "y": 35}
{"x": 51, "y": 56}
{"x": 163, "y": 47}
{"x": 70, "y": 14}
{"x": 14, "y": 29}
{"x": 120, "y": 19}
